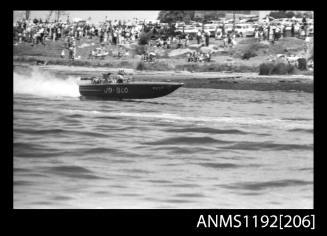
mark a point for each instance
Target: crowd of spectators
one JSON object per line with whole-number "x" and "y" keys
{"x": 272, "y": 30}
{"x": 149, "y": 57}
{"x": 37, "y": 31}
{"x": 117, "y": 32}
{"x": 199, "y": 57}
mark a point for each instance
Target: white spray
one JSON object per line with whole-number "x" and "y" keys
{"x": 42, "y": 83}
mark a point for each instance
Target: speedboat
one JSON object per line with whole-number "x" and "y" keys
{"x": 113, "y": 89}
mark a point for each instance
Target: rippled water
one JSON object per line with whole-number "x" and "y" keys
{"x": 195, "y": 148}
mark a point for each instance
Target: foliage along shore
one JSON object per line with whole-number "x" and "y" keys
{"x": 223, "y": 59}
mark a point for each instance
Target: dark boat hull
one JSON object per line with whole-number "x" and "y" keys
{"x": 132, "y": 90}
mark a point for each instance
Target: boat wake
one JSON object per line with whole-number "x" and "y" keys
{"x": 173, "y": 118}
{"x": 45, "y": 84}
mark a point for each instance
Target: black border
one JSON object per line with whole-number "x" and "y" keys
{"x": 156, "y": 221}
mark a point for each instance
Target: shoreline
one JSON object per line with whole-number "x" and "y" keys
{"x": 215, "y": 80}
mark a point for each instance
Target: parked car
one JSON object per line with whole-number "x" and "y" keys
{"x": 228, "y": 28}
{"x": 179, "y": 29}
{"x": 211, "y": 29}
{"x": 197, "y": 24}
{"x": 229, "y": 21}
{"x": 191, "y": 31}
{"x": 244, "y": 30}
{"x": 214, "y": 22}
{"x": 179, "y": 24}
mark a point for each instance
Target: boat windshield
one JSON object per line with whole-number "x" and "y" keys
{"x": 106, "y": 79}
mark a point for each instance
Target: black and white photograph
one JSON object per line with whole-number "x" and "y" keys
{"x": 153, "y": 109}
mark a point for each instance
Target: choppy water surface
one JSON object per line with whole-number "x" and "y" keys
{"x": 195, "y": 148}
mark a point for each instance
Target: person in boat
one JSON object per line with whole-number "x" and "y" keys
{"x": 120, "y": 76}
{"x": 95, "y": 80}
{"x": 107, "y": 77}
{"x": 152, "y": 56}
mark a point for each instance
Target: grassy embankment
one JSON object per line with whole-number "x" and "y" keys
{"x": 246, "y": 56}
